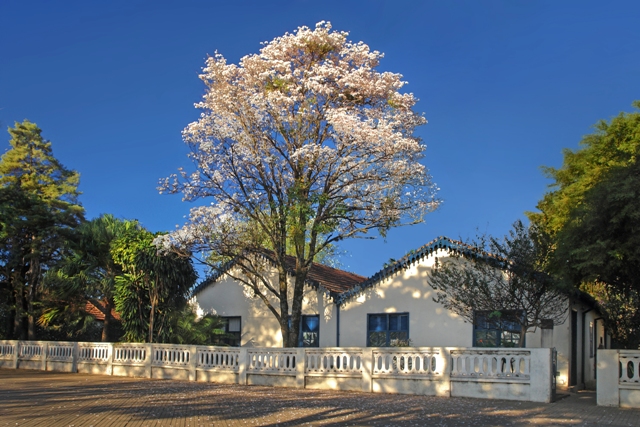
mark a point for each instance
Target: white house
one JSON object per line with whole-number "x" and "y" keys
{"x": 393, "y": 306}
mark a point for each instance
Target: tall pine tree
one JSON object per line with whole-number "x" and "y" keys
{"x": 39, "y": 207}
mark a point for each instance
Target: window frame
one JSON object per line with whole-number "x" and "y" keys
{"x": 301, "y": 332}
{"x": 503, "y": 325}
{"x": 388, "y": 329}
{"x": 237, "y": 335}
{"x": 300, "y": 340}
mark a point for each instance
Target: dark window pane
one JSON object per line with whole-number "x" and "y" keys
{"x": 404, "y": 322}
{"x": 377, "y": 322}
{"x": 309, "y": 335}
{"x": 398, "y": 338}
{"x": 377, "y": 339}
{"x": 498, "y": 330}
{"x": 310, "y": 339}
{"x": 388, "y": 329}
{"x": 486, "y": 338}
{"x": 394, "y": 322}
{"x": 310, "y": 323}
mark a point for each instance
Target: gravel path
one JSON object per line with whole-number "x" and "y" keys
{"x": 44, "y": 399}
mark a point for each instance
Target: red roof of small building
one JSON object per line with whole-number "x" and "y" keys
{"x": 332, "y": 279}
{"x": 98, "y": 311}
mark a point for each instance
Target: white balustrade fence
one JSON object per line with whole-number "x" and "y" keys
{"x": 171, "y": 355}
{"x": 7, "y": 351}
{"x": 618, "y": 378}
{"x": 30, "y": 351}
{"x": 94, "y": 352}
{"x": 521, "y": 374}
{"x": 325, "y": 361}
{"x": 60, "y": 351}
{"x": 506, "y": 364}
{"x": 406, "y": 362}
{"x": 629, "y": 364}
{"x": 225, "y": 358}
{"x": 268, "y": 360}
{"x": 129, "y": 354}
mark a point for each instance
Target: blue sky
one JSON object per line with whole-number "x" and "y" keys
{"x": 505, "y": 86}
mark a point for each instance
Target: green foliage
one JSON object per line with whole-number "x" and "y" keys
{"x": 592, "y": 216}
{"x": 88, "y": 272}
{"x": 186, "y": 328}
{"x": 599, "y": 246}
{"x": 614, "y": 144}
{"x": 151, "y": 288}
{"x": 39, "y": 210}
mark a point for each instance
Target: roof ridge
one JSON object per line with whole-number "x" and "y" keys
{"x": 290, "y": 271}
{"x": 440, "y": 242}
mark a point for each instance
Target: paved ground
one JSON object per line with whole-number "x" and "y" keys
{"x": 43, "y": 399}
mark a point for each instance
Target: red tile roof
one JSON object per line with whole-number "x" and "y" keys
{"x": 99, "y": 312}
{"x": 330, "y": 278}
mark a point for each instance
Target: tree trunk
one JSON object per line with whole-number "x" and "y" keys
{"x": 11, "y": 318}
{"x": 152, "y": 315}
{"x": 18, "y": 330}
{"x": 33, "y": 279}
{"x": 284, "y": 307}
{"x": 523, "y": 334}
{"x": 107, "y": 320}
{"x": 296, "y": 306}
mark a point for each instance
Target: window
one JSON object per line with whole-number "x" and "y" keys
{"x": 229, "y": 333}
{"x": 388, "y": 329}
{"x": 309, "y": 332}
{"x": 496, "y": 329}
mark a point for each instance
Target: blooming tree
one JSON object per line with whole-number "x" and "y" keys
{"x": 298, "y": 147}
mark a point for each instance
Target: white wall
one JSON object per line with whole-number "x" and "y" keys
{"x": 260, "y": 327}
{"x": 430, "y": 324}
{"x": 408, "y": 291}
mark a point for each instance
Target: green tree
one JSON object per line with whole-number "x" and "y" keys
{"x": 613, "y": 144}
{"x": 599, "y": 246}
{"x": 504, "y": 278}
{"x": 40, "y": 209}
{"x": 151, "y": 288}
{"x": 591, "y": 215}
{"x": 87, "y": 273}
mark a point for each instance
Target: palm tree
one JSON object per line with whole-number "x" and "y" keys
{"x": 89, "y": 273}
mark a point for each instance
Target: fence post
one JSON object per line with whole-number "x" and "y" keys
{"x": 148, "y": 361}
{"x": 44, "y": 347}
{"x": 444, "y": 365}
{"x": 16, "y": 350}
{"x": 608, "y": 378}
{"x": 193, "y": 362}
{"x": 367, "y": 365}
{"x": 300, "y": 367}
{"x": 243, "y": 366}
{"x": 110, "y": 357}
{"x": 540, "y": 375}
{"x": 75, "y": 354}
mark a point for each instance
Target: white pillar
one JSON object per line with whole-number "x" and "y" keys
{"x": 110, "y": 356}
{"x": 148, "y": 362}
{"x": 193, "y": 362}
{"x": 74, "y": 357}
{"x": 608, "y": 373}
{"x": 366, "y": 364}
{"x": 243, "y": 366}
{"x": 541, "y": 375}
{"x": 443, "y": 367}
{"x": 300, "y": 367}
{"x": 44, "y": 347}
{"x": 16, "y": 350}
